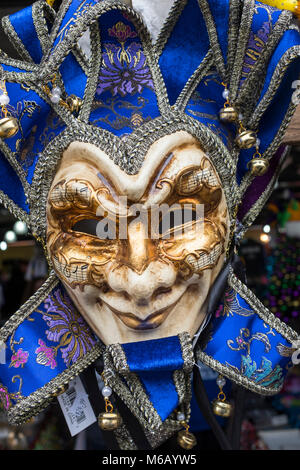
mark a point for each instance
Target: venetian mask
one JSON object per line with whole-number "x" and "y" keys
{"x": 138, "y": 253}
{"x": 129, "y": 164}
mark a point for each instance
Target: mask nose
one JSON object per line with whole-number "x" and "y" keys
{"x": 140, "y": 273}
{"x": 158, "y": 277}
{"x": 137, "y": 251}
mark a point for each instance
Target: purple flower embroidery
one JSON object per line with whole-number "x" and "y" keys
{"x": 67, "y": 327}
{"x": 124, "y": 71}
{"x": 122, "y": 32}
{"x": 4, "y": 397}
{"x": 19, "y": 358}
{"x": 46, "y": 356}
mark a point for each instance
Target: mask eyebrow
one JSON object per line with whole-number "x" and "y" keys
{"x": 81, "y": 196}
{"x": 75, "y": 192}
{"x": 107, "y": 185}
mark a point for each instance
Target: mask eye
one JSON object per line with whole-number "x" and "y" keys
{"x": 175, "y": 221}
{"x": 86, "y": 226}
{"x": 104, "y": 229}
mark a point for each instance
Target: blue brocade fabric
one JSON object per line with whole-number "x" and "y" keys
{"x": 247, "y": 345}
{"x": 51, "y": 339}
{"x": 125, "y": 95}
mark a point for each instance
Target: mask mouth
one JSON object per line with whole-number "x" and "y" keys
{"x": 149, "y": 323}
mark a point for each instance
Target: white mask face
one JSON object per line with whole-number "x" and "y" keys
{"x": 138, "y": 253}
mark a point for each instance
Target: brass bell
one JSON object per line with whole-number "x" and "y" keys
{"x": 109, "y": 421}
{"x": 222, "y": 408}
{"x": 74, "y": 103}
{"x": 186, "y": 439}
{"x": 258, "y": 166}
{"x": 8, "y": 127}
{"x": 246, "y": 139}
{"x": 228, "y": 114}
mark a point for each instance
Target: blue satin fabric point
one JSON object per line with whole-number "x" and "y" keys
{"x": 76, "y": 9}
{"x": 181, "y": 43}
{"x": 24, "y": 27}
{"x": 154, "y": 362}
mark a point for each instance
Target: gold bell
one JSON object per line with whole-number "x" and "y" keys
{"x": 246, "y": 139}
{"x": 74, "y": 103}
{"x": 258, "y": 166}
{"x": 228, "y": 114}
{"x": 186, "y": 439}
{"x": 109, "y": 420}
{"x": 8, "y": 127}
{"x": 222, "y": 408}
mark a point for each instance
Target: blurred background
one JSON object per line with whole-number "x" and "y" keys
{"x": 271, "y": 254}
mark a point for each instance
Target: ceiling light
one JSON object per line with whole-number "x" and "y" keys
{"x": 20, "y": 228}
{"x": 3, "y": 246}
{"x": 264, "y": 238}
{"x": 10, "y": 236}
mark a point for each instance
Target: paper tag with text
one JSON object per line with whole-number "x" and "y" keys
{"x": 76, "y": 407}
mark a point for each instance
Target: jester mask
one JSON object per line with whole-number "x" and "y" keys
{"x": 139, "y": 164}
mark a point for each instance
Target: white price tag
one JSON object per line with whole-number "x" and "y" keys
{"x": 76, "y": 407}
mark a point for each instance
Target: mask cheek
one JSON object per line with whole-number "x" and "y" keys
{"x": 196, "y": 250}
{"x": 80, "y": 260}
